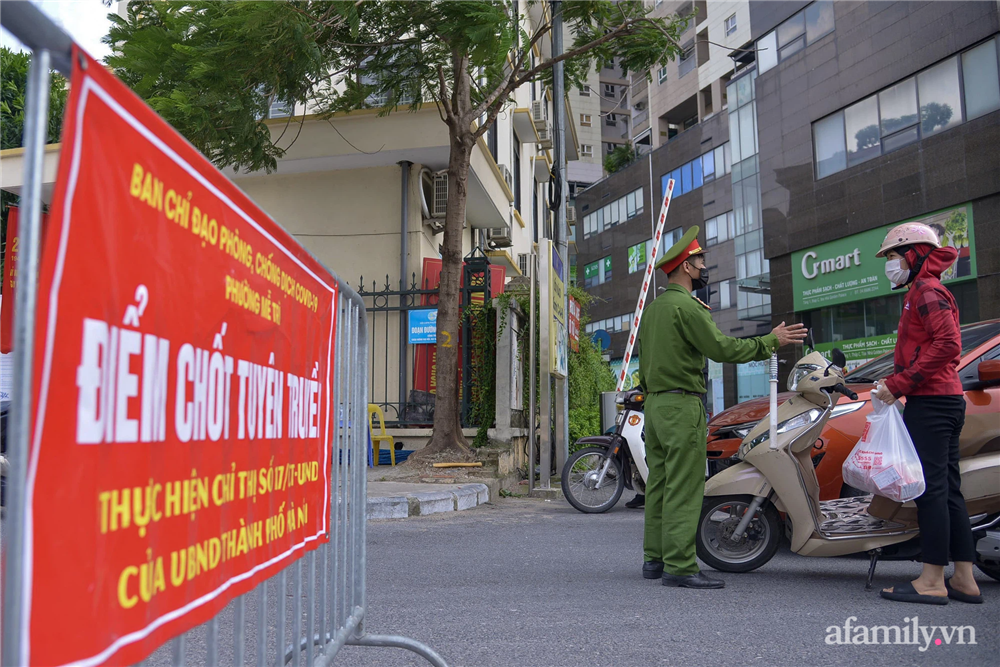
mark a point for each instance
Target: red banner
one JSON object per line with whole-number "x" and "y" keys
{"x": 9, "y": 283}
{"x": 574, "y": 324}
{"x": 184, "y": 347}
{"x": 10, "y": 278}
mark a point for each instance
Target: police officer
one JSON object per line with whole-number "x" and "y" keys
{"x": 675, "y": 336}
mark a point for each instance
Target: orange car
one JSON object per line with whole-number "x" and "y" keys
{"x": 980, "y": 342}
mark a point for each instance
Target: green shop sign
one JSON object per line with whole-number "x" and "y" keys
{"x": 859, "y": 350}
{"x": 636, "y": 257}
{"x": 847, "y": 270}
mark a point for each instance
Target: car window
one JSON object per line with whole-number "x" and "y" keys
{"x": 970, "y": 373}
{"x": 973, "y": 336}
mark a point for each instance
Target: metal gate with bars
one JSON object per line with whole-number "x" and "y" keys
{"x": 263, "y": 626}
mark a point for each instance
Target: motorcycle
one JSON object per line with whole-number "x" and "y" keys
{"x": 772, "y": 491}
{"x": 595, "y": 476}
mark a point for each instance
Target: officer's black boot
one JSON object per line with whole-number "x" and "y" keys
{"x": 638, "y": 501}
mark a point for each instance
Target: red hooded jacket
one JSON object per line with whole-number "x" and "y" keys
{"x": 929, "y": 342}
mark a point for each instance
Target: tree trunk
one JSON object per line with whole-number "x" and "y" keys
{"x": 447, "y": 436}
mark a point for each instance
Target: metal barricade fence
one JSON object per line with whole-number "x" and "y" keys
{"x": 329, "y": 604}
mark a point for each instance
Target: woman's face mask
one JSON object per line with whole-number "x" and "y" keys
{"x": 896, "y": 274}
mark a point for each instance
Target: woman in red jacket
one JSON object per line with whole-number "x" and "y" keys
{"x": 928, "y": 348}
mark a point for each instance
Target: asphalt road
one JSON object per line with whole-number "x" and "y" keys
{"x": 538, "y": 584}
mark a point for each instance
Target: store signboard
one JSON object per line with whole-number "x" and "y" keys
{"x": 636, "y": 257}
{"x": 860, "y": 350}
{"x": 558, "y": 349}
{"x": 847, "y": 270}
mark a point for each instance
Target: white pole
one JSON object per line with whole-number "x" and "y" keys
{"x": 773, "y": 425}
{"x": 634, "y": 330}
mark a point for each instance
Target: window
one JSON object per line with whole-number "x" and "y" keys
{"x": 517, "y": 174}
{"x": 586, "y": 150}
{"x": 940, "y": 97}
{"x": 828, "y": 138}
{"x": 697, "y": 172}
{"x": 898, "y": 106}
{"x": 606, "y": 269}
{"x": 725, "y": 295}
{"x": 585, "y": 91}
{"x": 279, "y": 109}
{"x": 637, "y": 257}
{"x": 861, "y": 123}
{"x": 662, "y": 75}
{"x": 767, "y": 52}
{"x": 611, "y": 119}
{"x": 719, "y": 229}
{"x": 819, "y": 20}
{"x": 609, "y": 90}
{"x": 921, "y": 106}
{"x": 592, "y": 274}
{"x": 586, "y": 120}
{"x": 731, "y": 25}
{"x": 982, "y": 85}
{"x": 804, "y": 28}
{"x": 687, "y": 59}
{"x": 708, "y": 166}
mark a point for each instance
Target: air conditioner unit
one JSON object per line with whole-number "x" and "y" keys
{"x": 570, "y": 215}
{"x": 499, "y": 237}
{"x": 507, "y": 176}
{"x": 524, "y": 264}
{"x": 539, "y": 113}
{"x": 545, "y": 135}
{"x": 439, "y": 206}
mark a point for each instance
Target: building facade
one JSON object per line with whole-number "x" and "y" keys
{"x": 871, "y": 114}
{"x": 837, "y": 120}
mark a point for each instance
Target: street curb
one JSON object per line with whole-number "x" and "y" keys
{"x": 466, "y": 496}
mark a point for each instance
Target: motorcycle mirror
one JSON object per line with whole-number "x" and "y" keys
{"x": 838, "y": 358}
{"x": 809, "y": 340}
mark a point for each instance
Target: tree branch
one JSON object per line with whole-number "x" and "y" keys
{"x": 449, "y": 110}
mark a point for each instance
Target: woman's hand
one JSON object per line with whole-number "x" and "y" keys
{"x": 883, "y": 394}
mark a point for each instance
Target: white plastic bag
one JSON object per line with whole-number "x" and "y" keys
{"x": 884, "y": 461}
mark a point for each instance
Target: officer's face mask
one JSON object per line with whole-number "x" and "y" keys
{"x": 701, "y": 281}
{"x": 896, "y": 274}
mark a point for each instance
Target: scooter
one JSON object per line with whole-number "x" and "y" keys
{"x": 772, "y": 491}
{"x": 595, "y": 476}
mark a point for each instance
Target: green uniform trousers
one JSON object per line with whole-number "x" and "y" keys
{"x": 675, "y": 453}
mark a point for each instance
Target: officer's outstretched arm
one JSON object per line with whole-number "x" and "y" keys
{"x": 704, "y": 335}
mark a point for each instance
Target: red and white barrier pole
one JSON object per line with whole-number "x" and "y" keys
{"x": 634, "y": 329}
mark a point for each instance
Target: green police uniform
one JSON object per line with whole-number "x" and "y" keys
{"x": 675, "y": 335}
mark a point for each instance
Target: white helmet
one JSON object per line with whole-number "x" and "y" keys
{"x": 909, "y": 233}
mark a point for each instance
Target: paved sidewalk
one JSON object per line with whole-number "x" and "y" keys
{"x": 399, "y": 500}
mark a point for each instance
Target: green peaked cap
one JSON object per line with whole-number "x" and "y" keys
{"x": 680, "y": 251}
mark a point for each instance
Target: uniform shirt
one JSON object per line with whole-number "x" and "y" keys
{"x": 676, "y": 333}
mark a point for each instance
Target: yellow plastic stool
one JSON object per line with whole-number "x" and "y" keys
{"x": 377, "y": 438}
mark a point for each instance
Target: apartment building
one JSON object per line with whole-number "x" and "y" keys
{"x": 680, "y": 115}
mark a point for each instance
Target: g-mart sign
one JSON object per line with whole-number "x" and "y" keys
{"x": 847, "y": 270}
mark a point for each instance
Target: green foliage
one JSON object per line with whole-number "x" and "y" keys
{"x": 13, "y": 87}
{"x": 211, "y": 69}
{"x": 483, "y": 401}
{"x": 619, "y": 158}
{"x": 589, "y": 375}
